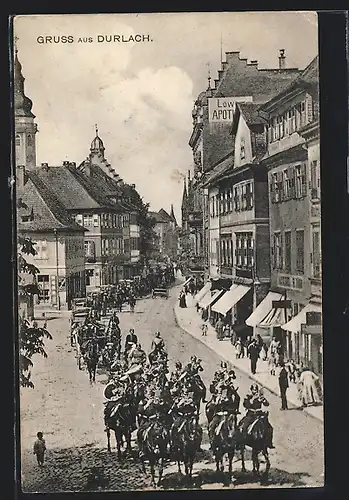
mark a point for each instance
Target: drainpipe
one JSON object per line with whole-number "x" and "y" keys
{"x": 57, "y": 271}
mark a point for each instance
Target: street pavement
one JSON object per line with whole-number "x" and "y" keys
{"x": 69, "y": 411}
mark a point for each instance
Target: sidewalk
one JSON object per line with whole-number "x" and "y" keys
{"x": 189, "y": 320}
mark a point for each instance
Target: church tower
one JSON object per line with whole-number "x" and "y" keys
{"x": 97, "y": 148}
{"x": 25, "y": 128}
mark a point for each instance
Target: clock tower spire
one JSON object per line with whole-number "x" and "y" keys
{"x": 25, "y": 128}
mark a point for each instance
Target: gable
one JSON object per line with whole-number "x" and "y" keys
{"x": 243, "y": 147}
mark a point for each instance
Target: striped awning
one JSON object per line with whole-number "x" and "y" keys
{"x": 275, "y": 317}
{"x": 204, "y": 290}
{"x": 206, "y": 301}
{"x": 264, "y": 308}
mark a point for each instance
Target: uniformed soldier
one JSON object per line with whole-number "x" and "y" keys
{"x": 254, "y": 402}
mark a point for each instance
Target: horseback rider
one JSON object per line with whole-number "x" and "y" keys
{"x": 131, "y": 339}
{"x": 176, "y": 374}
{"x": 253, "y": 402}
{"x": 192, "y": 370}
{"x": 148, "y": 413}
{"x": 158, "y": 343}
{"x": 182, "y": 407}
{"x": 224, "y": 404}
{"x": 113, "y": 392}
{"x": 138, "y": 356}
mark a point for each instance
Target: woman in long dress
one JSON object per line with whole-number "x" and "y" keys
{"x": 182, "y": 301}
{"x": 309, "y": 387}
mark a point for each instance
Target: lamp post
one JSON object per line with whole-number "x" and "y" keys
{"x": 57, "y": 271}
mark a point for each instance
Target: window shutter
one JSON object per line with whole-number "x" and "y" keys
{"x": 269, "y": 134}
{"x": 309, "y": 108}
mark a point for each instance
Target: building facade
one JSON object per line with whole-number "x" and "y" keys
{"x": 211, "y": 142}
{"x": 239, "y": 219}
{"x": 57, "y": 239}
{"x": 167, "y": 234}
{"x": 292, "y": 161}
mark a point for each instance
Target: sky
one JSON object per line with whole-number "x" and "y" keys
{"x": 141, "y": 94}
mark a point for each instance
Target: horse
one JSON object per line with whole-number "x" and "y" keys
{"x": 91, "y": 357}
{"x": 186, "y": 440}
{"x": 152, "y": 445}
{"x": 120, "y": 420}
{"x": 195, "y": 386}
{"x": 257, "y": 438}
{"x": 222, "y": 438}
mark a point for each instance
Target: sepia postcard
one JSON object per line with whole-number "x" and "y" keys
{"x": 168, "y": 234}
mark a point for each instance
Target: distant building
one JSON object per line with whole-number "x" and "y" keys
{"x": 58, "y": 241}
{"x": 167, "y": 233}
{"x": 211, "y": 141}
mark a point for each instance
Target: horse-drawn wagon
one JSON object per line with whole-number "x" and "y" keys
{"x": 160, "y": 292}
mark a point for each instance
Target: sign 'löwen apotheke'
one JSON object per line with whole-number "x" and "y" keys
{"x": 221, "y": 109}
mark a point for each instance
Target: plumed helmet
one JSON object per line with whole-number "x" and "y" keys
{"x": 254, "y": 387}
{"x": 178, "y": 364}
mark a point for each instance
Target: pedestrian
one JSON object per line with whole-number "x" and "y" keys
{"x": 204, "y": 329}
{"x": 239, "y": 348}
{"x": 283, "y": 384}
{"x": 292, "y": 370}
{"x": 309, "y": 388}
{"x": 40, "y": 448}
{"x": 182, "y": 300}
{"x": 253, "y": 352}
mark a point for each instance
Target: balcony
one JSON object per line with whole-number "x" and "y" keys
{"x": 285, "y": 143}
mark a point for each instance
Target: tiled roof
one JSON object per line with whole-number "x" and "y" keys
{"x": 250, "y": 113}
{"x": 219, "y": 170}
{"x": 157, "y": 216}
{"x": 308, "y": 76}
{"x": 68, "y": 188}
{"x": 49, "y": 212}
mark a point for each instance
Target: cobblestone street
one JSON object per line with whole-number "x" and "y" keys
{"x": 69, "y": 411}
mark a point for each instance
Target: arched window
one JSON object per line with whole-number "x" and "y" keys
{"x": 29, "y": 140}
{"x": 18, "y": 140}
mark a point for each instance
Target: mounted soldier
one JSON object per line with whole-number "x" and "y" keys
{"x": 131, "y": 339}
{"x": 194, "y": 380}
{"x": 254, "y": 402}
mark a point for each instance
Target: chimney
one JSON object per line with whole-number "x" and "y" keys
{"x": 45, "y": 166}
{"x": 133, "y": 186}
{"x": 282, "y": 59}
{"x": 21, "y": 177}
{"x": 73, "y": 164}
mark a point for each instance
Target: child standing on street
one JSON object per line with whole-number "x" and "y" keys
{"x": 204, "y": 329}
{"x": 40, "y": 448}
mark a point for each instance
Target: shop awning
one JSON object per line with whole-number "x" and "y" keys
{"x": 201, "y": 293}
{"x": 275, "y": 317}
{"x": 187, "y": 281}
{"x": 263, "y": 309}
{"x": 208, "y": 299}
{"x": 230, "y": 298}
{"x": 294, "y": 325}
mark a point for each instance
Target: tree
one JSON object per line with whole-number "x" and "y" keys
{"x": 31, "y": 337}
